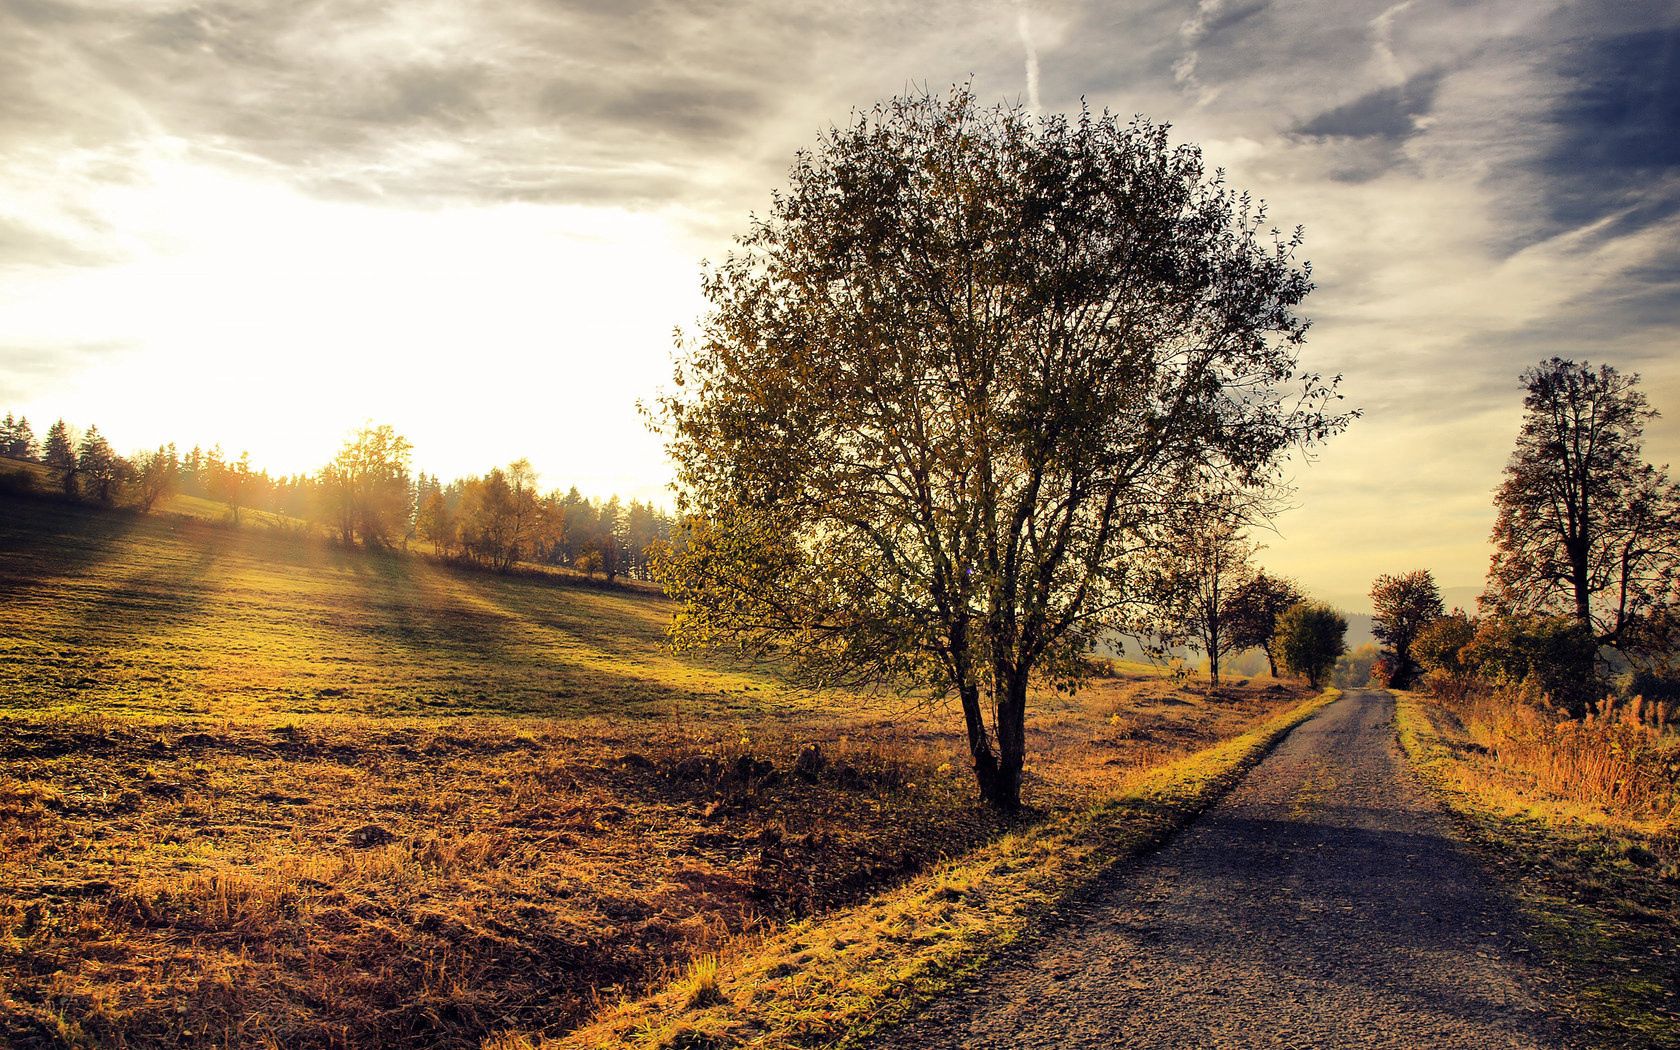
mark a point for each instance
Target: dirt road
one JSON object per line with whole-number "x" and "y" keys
{"x": 1324, "y": 902}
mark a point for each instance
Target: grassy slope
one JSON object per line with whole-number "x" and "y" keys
{"x": 854, "y": 974}
{"x": 169, "y": 615}
{"x": 198, "y": 723}
{"x": 1604, "y": 891}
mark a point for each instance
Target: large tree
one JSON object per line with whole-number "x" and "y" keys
{"x": 1585, "y": 526}
{"x": 946, "y": 387}
{"x": 1403, "y": 605}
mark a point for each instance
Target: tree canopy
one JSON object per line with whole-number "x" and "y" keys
{"x": 1585, "y": 526}
{"x": 948, "y": 386}
{"x": 1311, "y": 637}
{"x": 1253, "y": 612}
{"x": 1402, "y": 606}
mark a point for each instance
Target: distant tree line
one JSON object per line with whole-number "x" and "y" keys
{"x": 368, "y": 495}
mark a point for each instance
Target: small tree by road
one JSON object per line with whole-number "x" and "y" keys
{"x": 1252, "y": 615}
{"x": 1195, "y": 577}
{"x": 1311, "y": 637}
{"x": 1402, "y": 606}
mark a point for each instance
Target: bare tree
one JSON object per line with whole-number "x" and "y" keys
{"x": 1196, "y": 574}
{"x": 947, "y": 386}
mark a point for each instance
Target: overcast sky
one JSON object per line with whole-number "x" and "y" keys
{"x": 261, "y": 223}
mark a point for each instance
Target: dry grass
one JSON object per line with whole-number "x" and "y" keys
{"x": 1612, "y": 758}
{"x": 1580, "y": 822}
{"x": 848, "y": 977}
{"x": 256, "y": 790}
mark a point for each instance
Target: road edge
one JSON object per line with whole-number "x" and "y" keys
{"x": 1600, "y": 1004}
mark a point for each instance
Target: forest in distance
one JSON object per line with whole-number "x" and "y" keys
{"x": 368, "y": 495}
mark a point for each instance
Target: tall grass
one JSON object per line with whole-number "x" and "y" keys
{"x": 1621, "y": 755}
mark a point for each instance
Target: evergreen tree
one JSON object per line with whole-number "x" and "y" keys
{"x": 17, "y": 439}
{"x": 100, "y": 468}
{"x": 60, "y": 456}
{"x": 23, "y": 440}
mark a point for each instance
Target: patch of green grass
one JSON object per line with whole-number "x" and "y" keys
{"x": 116, "y": 612}
{"x": 1602, "y": 891}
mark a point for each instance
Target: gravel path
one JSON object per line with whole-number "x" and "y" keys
{"x": 1324, "y": 902}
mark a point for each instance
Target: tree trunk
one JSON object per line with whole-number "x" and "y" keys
{"x": 979, "y": 742}
{"x": 1583, "y": 588}
{"x": 1271, "y": 661}
{"x": 1001, "y": 786}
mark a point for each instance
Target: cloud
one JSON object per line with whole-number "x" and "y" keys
{"x": 1614, "y": 129}
{"x": 1482, "y": 183}
{"x": 1390, "y": 113}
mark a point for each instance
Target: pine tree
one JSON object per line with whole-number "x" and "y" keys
{"x": 100, "y": 468}
{"x": 60, "y": 456}
{"x": 23, "y": 440}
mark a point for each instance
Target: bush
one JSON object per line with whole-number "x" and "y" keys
{"x": 1652, "y": 686}
{"x": 1557, "y": 652}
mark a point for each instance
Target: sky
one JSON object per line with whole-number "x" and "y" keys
{"x": 262, "y": 223}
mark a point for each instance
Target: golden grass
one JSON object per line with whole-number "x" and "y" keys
{"x": 1610, "y": 758}
{"x": 259, "y": 790}
{"x": 1594, "y": 864}
{"x": 845, "y": 978}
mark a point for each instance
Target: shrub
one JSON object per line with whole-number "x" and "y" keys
{"x": 1557, "y": 652}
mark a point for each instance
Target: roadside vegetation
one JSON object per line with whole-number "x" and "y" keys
{"x": 1579, "y": 820}
{"x": 1548, "y": 720}
{"x": 848, "y": 978}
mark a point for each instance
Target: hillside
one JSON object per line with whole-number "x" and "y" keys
{"x": 168, "y": 614}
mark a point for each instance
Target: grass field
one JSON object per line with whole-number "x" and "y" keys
{"x": 255, "y": 788}
{"x": 1601, "y": 881}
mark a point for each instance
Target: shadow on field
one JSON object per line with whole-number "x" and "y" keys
{"x": 40, "y": 536}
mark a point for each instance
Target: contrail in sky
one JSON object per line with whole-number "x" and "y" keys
{"x": 1024, "y": 28}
